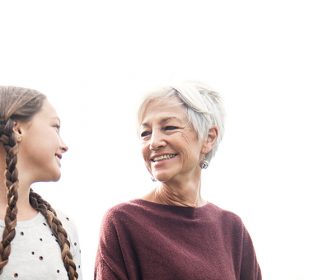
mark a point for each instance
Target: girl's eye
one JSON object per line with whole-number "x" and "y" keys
{"x": 57, "y": 127}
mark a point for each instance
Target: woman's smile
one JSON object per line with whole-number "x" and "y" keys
{"x": 170, "y": 147}
{"x": 163, "y": 161}
{"x": 163, "y": 157}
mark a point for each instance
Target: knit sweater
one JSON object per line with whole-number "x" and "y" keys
{"x": 146, "y": 240}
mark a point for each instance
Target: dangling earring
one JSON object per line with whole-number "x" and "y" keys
{"x": 204, "y": 164}
{"x": 153, "y": 179}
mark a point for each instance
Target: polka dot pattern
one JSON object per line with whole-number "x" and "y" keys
{"x": 35, "y": 242}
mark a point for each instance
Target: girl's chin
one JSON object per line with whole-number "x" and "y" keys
{"x": 53, "y": 177}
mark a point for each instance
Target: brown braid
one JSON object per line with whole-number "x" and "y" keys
{"x": 20, "y": 104}
{"x": 9, "y": 143}
{"x": 50, "y": 215}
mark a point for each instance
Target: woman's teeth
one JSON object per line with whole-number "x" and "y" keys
{"x": 163, "y": 157}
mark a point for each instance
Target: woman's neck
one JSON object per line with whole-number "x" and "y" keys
{"x": 185, "y": 194}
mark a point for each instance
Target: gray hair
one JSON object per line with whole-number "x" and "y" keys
{"x": 203, "y": 106}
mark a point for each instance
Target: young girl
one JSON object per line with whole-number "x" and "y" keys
{"x": 35, "y": 241}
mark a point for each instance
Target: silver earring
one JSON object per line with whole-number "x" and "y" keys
{"x": 204, "y": 164}
{"x": 153, "y": 179}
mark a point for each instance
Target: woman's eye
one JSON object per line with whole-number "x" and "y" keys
{"x": 170, "y": 127}
{"x": 145, "y": 133}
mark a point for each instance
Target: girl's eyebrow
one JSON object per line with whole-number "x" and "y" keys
{"x": 56, "y": 118}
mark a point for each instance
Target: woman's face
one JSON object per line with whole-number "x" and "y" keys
{"x": 40, "y": 147}
{"x": 170, "y": 146}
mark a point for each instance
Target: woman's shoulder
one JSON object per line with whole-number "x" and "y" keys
{"x": 139, "y": 207}
{"x": 123, "y": 209}
{"x": 223, "y": 215}
{"x": 133, "y": 211}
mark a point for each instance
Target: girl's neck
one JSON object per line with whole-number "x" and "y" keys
{"x": 24, "y": 209}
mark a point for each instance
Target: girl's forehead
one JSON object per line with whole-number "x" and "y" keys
{"x": 48, "y": 110}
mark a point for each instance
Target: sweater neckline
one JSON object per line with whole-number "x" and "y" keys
{"x": 177, "y": 208}
{"x": 27, "y": 223}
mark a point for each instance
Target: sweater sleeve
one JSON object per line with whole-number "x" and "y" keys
{"x": 110, "y": 264}
{"x": 250, "y": 269}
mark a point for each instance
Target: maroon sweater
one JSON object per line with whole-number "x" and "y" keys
{"x": 145, "y": 240}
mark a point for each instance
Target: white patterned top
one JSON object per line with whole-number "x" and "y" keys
{"x": 35, "y": 254}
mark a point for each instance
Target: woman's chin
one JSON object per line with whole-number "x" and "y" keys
{"x": 161, "y": 177}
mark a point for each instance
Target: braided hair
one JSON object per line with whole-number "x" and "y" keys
{"x": 20, "y": 104}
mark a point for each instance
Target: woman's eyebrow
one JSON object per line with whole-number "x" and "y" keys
{"x": 163, "y": 120}
{"x": 169, "y": 119}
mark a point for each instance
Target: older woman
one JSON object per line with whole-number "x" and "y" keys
{"x": 172, "y": 232}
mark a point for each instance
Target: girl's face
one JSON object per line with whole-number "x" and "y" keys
{"x": 170, "y": 146}
{"x": 40, "y": 146}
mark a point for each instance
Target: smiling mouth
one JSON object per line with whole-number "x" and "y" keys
{"x": 163, "y": 157}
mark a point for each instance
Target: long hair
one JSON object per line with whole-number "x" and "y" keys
{"x": 20, "y": 104}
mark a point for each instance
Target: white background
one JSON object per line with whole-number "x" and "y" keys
{"x": 95, "y": 59}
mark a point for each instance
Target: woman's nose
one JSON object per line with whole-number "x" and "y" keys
{"x": 157, "y": 140}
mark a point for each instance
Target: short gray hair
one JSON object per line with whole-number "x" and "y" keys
{"x": 204, "y": 108}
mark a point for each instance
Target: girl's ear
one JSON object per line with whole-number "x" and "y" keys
{"x": 210, "y": 140}
{"x": 18, "y": 131}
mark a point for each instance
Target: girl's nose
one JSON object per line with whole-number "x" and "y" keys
{"x": 64, "y": 148}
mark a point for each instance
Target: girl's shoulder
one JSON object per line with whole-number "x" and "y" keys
{"x": 69, "y": 225}
{"x": 67, "y": 221}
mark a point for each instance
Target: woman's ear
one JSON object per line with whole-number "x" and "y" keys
{"x": 210, "y": 140}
